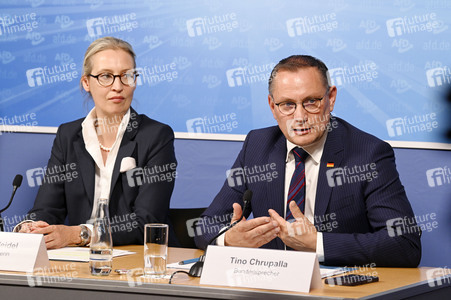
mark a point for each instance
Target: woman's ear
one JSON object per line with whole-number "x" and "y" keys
{"x": 85, "y": 83}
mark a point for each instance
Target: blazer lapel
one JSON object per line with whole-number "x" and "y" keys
{"x": 127, "y": 146}
{"x": 275, "y": 191}
{"x": 332, "y": 153}
{"x": 86, "y": 166}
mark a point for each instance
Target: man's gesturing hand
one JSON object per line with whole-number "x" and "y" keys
{"x": 253, "y": 233}
{"x": 299, "y": 235}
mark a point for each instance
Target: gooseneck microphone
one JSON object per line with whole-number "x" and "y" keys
{"x": 196, "y": 269}
{"x": 16, "y": 184}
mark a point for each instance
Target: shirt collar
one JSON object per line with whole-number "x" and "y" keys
{"x": 89, "y": 131}
{"x": 314, "y": 150}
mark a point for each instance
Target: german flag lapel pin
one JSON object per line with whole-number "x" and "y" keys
{"x": 330, "y": 165}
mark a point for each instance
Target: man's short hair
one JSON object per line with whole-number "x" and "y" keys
{"x": 297, "y": 62}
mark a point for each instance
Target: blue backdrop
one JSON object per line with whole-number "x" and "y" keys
{"x": 204, "y": 65}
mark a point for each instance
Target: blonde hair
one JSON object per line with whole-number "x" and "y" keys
{"x": 101, "y": 44}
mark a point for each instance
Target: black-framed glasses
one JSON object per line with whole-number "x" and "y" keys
{"x": 310, "y": 105}
{"x": 107, "y": 79}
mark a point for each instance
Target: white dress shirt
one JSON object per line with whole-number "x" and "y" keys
{"x": 312, "y": 164}
{"x": 103, "y": 171}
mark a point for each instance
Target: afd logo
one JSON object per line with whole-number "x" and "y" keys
{"x": 438, "y": 76}
{"x": 438, "y": 176}
{"x": 335, "y": 177}
{"x": 35, "y": 176}
{"x": 195, "y": 27}
{"x": 35, "y": 77}
{"x": 235, "y": 77}
{"x": 235, "y": 177}
{"x": 395, "y": 127}
{"x": 195, "y": 125}
{"x": 95, "y": 27}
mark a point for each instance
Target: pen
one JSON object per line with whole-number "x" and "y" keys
{"x": 188, "y": 261}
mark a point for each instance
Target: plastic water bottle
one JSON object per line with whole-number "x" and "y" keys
{"x": 101, "y": 250}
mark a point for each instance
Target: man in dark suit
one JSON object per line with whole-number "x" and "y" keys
{"x": 339, "y": 183}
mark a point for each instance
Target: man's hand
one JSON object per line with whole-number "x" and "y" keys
{"x": 299, "y": 235}
{"x": 253, "y": 233}
{"x": 58, "y": 236}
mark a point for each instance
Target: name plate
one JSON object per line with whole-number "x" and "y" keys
{"x": 261, "y": 268}
{"x": 22, "y": 252}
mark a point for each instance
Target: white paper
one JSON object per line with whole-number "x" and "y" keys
{"x": 80, "y": 254}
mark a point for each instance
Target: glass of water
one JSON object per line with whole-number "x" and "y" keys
{"x": 155, "y": 249}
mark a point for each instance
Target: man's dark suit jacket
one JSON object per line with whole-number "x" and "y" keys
{"x": 362, "y": 208}
{"x": 149, "y": 142}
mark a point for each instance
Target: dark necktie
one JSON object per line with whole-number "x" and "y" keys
{"x": 297, "y": 184}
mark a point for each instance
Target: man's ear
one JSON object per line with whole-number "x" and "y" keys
{"x": 332, "y": 97}
{"x": 272, "y": 106}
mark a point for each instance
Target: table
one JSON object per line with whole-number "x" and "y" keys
{"x": 72, "y": 280}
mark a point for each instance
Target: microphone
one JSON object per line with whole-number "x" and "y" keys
{"x": 196, "y": 269}
{"x": 16, "y": 184}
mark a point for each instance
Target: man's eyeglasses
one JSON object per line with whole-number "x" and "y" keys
{"x": 288, "y": 108}
{"x": 107, "y": 79}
